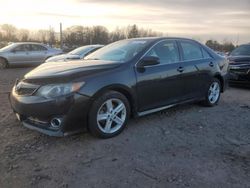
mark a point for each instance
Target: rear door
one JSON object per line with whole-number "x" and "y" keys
{"x": 38, "y": 53}
{"x": 160, "y": 85}
{"x": 196, "y": 69}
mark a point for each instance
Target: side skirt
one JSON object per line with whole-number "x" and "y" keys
{"x": 166, "y": 107}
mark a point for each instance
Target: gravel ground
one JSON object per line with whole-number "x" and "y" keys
{"x": 186, "y": 146}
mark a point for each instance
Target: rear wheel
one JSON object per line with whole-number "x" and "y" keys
{"x": 213, "y": 93}
{"x": 109, "y": 115}
{"x": 3, "y": 63}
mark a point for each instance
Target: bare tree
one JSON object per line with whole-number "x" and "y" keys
{"x": 117, "y": 34}
{"x": 23, "y": 35}
{"x": 100, "y": 35}
{"x": 133, "y": 31}
{"x": 52, "y": 36}
{"x": 9, "y": 32}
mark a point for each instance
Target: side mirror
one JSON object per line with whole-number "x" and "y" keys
{"x": 13, "y": 51}
{"x": 149, "y": 61}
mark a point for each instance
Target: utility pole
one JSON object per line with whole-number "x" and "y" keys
{"x": 61, "y": 36}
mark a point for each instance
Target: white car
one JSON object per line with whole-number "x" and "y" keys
{"x": 78, "y": 53}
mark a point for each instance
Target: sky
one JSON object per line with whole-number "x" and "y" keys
{"x": 223, "y": 20}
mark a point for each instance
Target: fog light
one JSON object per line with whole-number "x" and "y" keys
{"x": 56, "y": 122}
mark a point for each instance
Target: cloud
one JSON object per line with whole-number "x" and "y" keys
{"x": 215, "y": 18}
{"x": 182, "y": 4}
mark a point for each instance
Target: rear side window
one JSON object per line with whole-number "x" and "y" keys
{"x": 191, "y": 51}
{"x": 205, "y": 54}
{"x": 166, "y": 51}
{"x": 35, "y": 47}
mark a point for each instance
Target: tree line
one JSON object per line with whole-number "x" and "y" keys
{"x": 77, "y": 35}
{"x": 74, "y": 36}
{"x": 221, "y": 47}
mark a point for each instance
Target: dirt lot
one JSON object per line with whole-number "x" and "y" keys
{"x": 186, "y": 146}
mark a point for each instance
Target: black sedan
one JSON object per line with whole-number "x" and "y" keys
{"x": 127, "y": 78}
{"x": 239, "y": 60}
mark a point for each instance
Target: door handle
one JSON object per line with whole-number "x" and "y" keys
{"x": 180, "y": 69}
{"x": 211, "y": 64}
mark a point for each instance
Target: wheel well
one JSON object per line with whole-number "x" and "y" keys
{"x": 219, "y": 77}
{"x": 4, "y": 60}
{"x": 121, "y": 90}
{"x": 47, "y": 58}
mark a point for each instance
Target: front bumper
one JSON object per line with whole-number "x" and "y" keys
{"x": 36, "y": 113}
{"x": 241, "y": 76}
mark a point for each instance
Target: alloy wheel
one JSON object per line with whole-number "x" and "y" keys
{"x": 214, "y": 92}
{"x": 111, "y": 115}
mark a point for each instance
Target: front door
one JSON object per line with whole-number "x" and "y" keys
{"x": 20, "y": 55}
{"x": 160, "y": 85}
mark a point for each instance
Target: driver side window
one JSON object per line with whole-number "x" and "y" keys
{"x": 166, "y": 51}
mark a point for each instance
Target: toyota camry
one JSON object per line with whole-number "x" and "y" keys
{"x": 128, "y": 78}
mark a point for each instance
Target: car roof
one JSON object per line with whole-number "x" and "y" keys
{"x": 161, "y": 38}
{"x": 248, "y": 44}
{"x": 94, "y": 45}
{"x": 29, "y": 43}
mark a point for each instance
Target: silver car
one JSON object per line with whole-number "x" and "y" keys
{"x": 78, "y": 53}
{"x": 25, "y": 53}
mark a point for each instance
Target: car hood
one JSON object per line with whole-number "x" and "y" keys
{"x": 67, "y": 70}
{"x": 238, "y": 60}
{"x": 63, "y": 57}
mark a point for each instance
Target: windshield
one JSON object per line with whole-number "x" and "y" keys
{"x": 121, "y": 51}
{"x": 241, "y": 50}
{"x": 81, "y": 50}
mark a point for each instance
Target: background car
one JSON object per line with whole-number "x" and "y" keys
{"x": 223, "y": 54}
{"x": 78, "y": 53}
{"x": 25, "y": 53}
{"x": 129, "y": 77}
{"x": 239, "y": 60}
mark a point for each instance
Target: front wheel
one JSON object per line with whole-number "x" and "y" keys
{"x": 213, "y": 93}
{"x": 109, "y": 115}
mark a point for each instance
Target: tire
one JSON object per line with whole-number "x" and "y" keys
{"x": 105, "y": 119}
{"x": 3, "y": 63}
{"x": 213, "y": 93}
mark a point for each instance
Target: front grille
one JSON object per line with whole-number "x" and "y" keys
{"x": 240, "y": 70}
{"x": 25, "y": 91}
{"x": 23, "y": 88}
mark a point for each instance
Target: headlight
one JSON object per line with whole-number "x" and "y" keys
{"x": 56, "y": 90}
